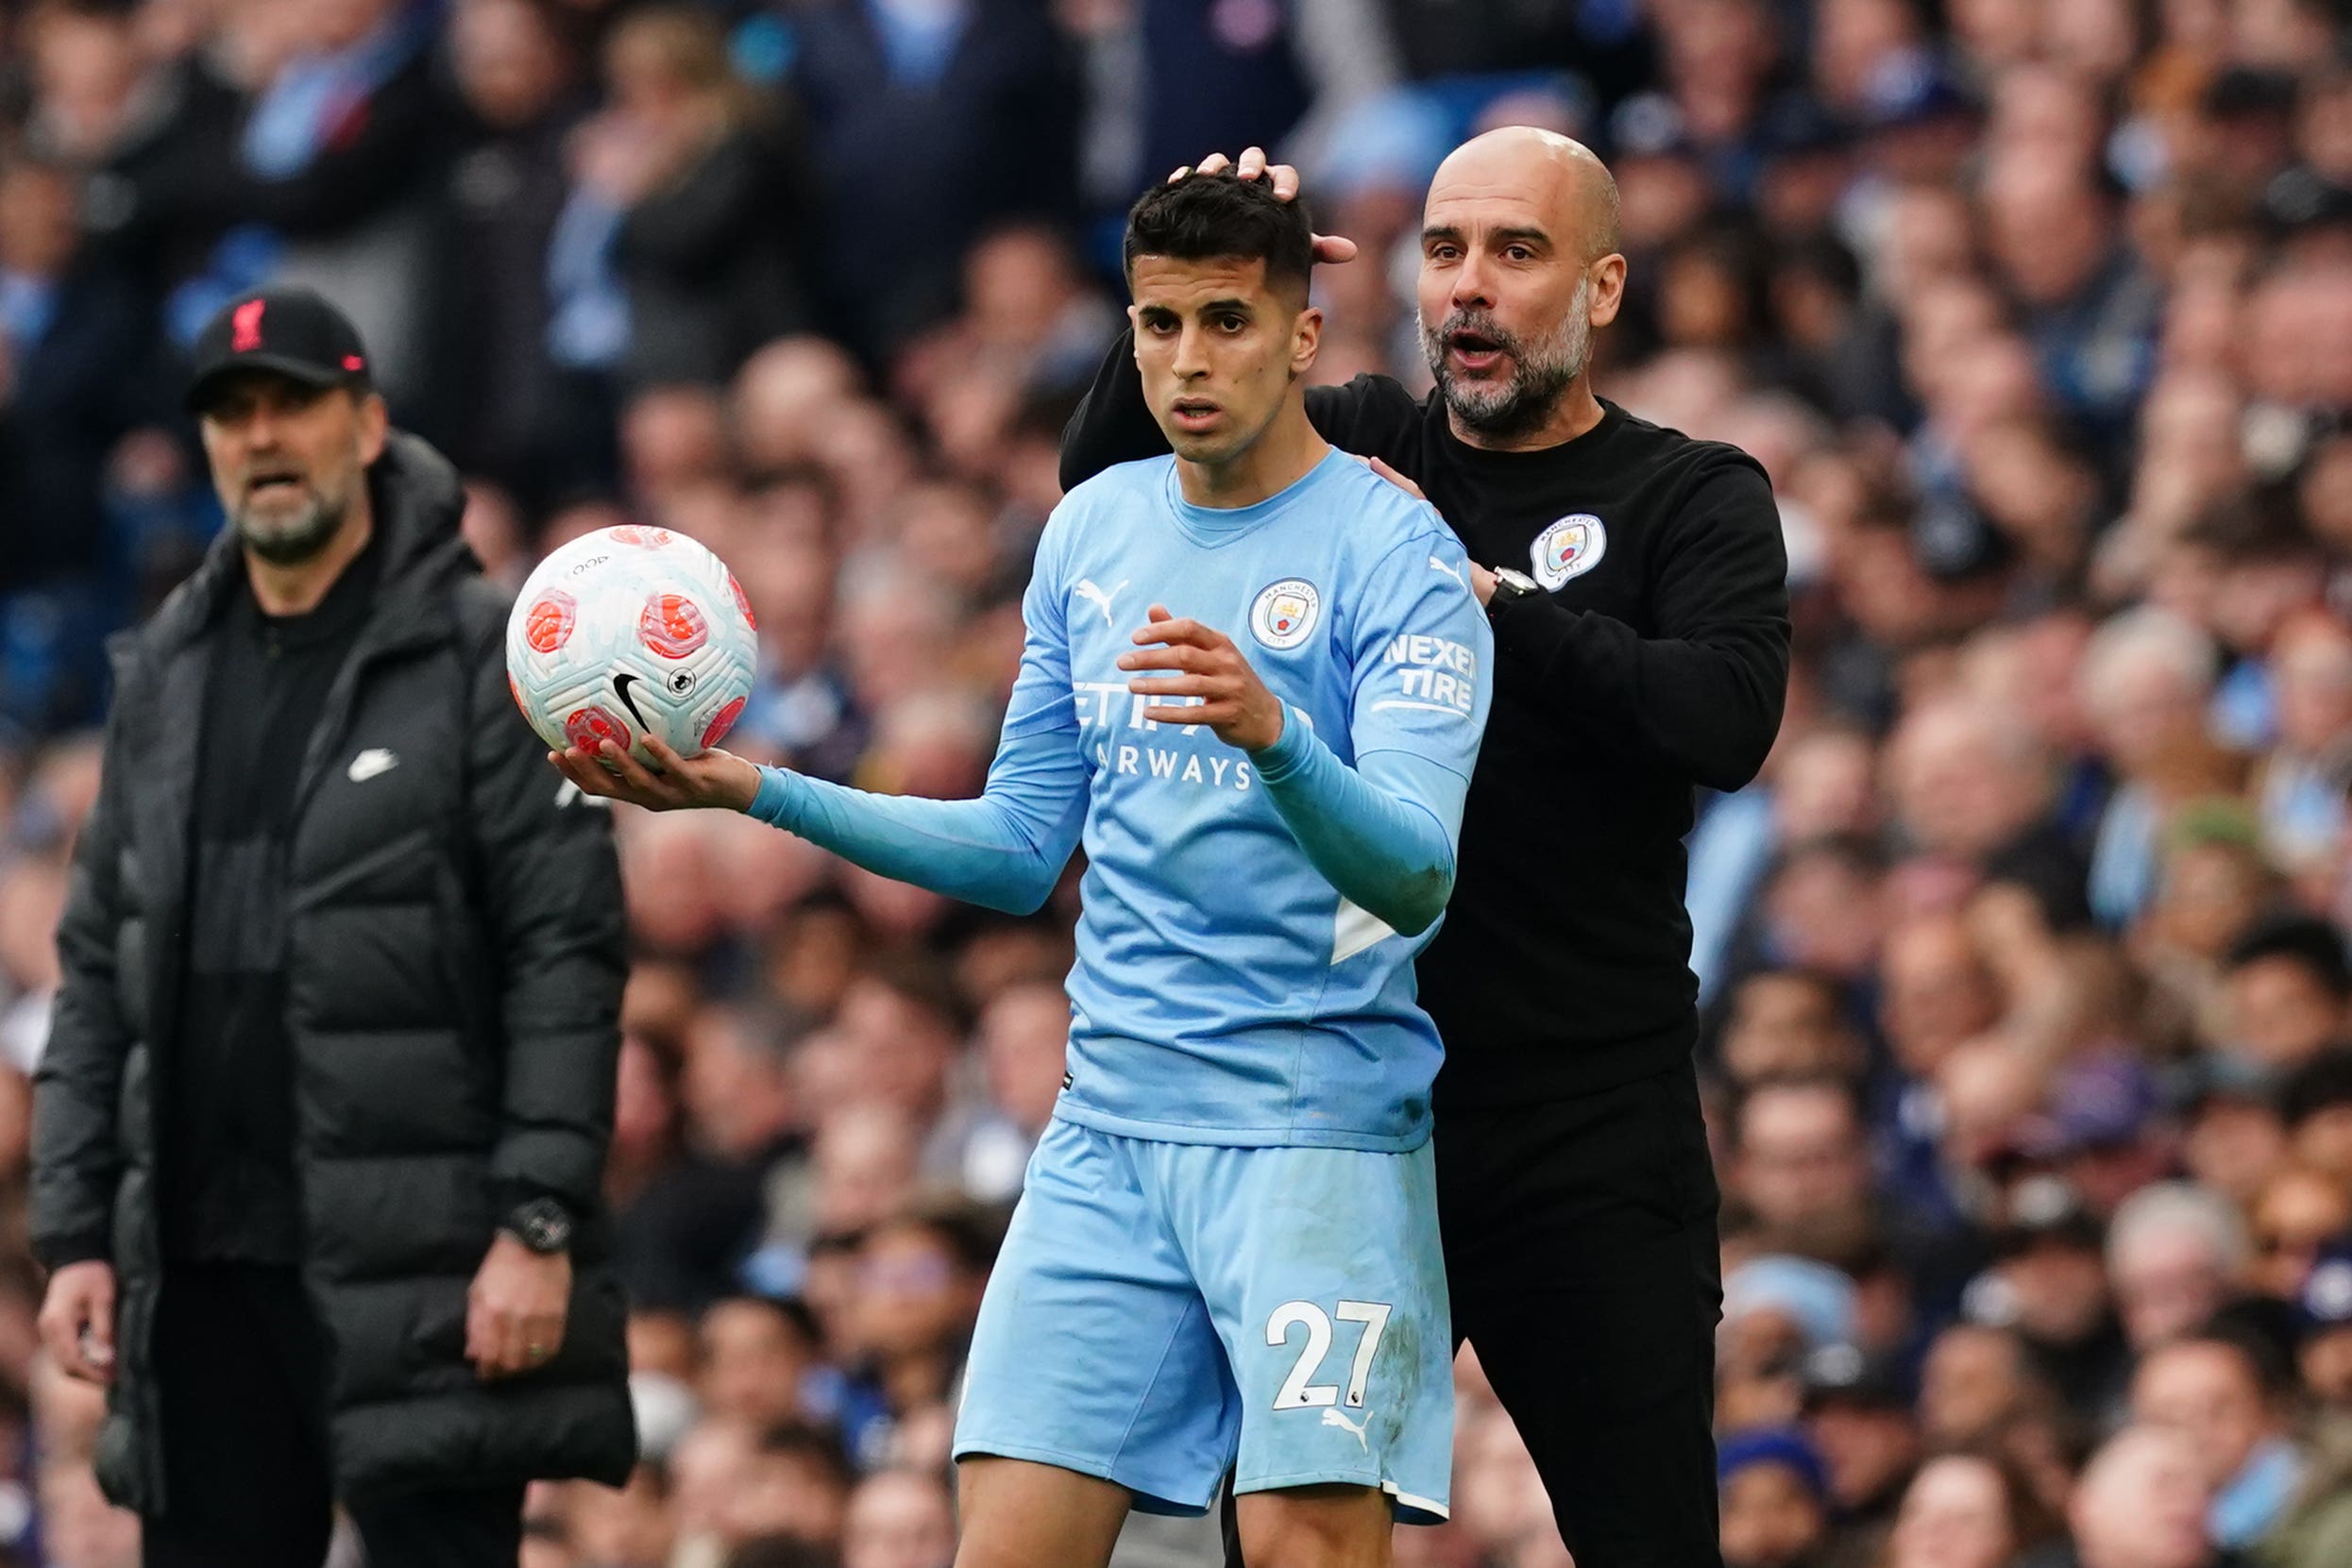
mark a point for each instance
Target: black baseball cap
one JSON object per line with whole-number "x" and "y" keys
{"x": 1847, "y": 1375}
{"x": 294, "y": 333}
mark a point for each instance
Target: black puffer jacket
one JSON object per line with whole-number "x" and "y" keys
{"x": 454, "y": 964}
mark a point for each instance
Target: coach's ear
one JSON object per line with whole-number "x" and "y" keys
{"x": 1306, "y": 341}
{"x": 1608, "y": 291}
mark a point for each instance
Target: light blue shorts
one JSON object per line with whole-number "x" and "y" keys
{"x": 1163, "y": 1310}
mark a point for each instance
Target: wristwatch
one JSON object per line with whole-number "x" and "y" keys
{"x": 1510, "y": 586}
{"x": 542, "y": 1224}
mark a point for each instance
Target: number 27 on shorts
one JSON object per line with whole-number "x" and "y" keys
{"x": 1297, "y": 1392}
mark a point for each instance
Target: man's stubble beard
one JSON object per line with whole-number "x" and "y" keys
{"x": 1541, "y": 372}
{"x": 297, "y": 539}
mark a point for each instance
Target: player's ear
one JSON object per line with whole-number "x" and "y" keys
{"x": 1305, "y": 340}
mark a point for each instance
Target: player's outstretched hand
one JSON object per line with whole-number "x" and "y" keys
{"x": 1331, "y": 249}
{"x": 715, "y": 778}
{"x": 1233, "y": 702}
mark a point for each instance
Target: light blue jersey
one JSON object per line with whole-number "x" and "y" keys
{"x": 1224, "y": 992}
{"x": 1228, "y": 1238}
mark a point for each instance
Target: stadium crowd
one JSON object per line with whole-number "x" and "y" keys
{"x": 2028, "y": 1013}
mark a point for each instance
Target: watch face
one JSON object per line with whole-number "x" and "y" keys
{"x": 545, "y": 1228}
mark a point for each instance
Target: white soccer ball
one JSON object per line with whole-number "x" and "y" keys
{"x": 627, "y": 631}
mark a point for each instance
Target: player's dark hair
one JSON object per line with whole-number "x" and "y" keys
{"x": 1212, "y": 217}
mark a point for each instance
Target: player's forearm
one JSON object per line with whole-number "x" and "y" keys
{"x": 1381, "y": 832}
{"x": 982, "y": 852}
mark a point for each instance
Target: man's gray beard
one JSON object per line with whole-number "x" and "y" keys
{"x": 296, "y": 540}
{"x": 1540, "y": 372}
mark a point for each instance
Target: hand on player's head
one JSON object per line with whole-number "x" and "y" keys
{"x": 715, "y": 779}
{"x": 1329, "y": 249}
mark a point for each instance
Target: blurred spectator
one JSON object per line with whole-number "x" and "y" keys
{"x": 920, "y": 1276}
{"x": 2315, "y": 1102}
{"x": 898, "y": 1519}
{"x": 73, "y": 339}
{"x": 501, "y": 406}
{"x": 2176, "y": 1252}
{"x": 2141, "y": 1504}
{"x": 756, "y": 1358}
{"x": 707, "y": 217}
{"x": 985, "y": 1147}
{"x": 1859, "y": 1417}
{"x": 1976, "y": 1380}
{"x": 328, "y": 177}
{"x": 1966, "y": 1509}
{"x": 1801, "y": 1164}
{"x": 2215, "y": 1389}
{"x": 2297, "y": 1213}
{"x": 2146, "y": 680}
{"x": 2050, "y": 1285}
{"x": 798, "y": 1489}
{"x": 929, "y": 121}
{"x": 1775, "y": 1500}
{"x": 1976, "y": 790}
{"x": 2289, "y": 986}
{"x": 2323, "y": 1312}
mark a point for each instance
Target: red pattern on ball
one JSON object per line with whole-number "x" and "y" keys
{"x": 721, "y": 723}
{"x": 742, "y": 602}
{"x": 673, "y": 625}
{"x": 548, "y": 625}
{"x": 589, "y": 725}
{"x": 638, "y": 534}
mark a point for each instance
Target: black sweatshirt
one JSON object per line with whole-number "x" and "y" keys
{"x": 1660, "y": 661}
{"x": 229, "y": 1192}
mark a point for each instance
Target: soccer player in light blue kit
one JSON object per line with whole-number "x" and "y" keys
{"x": 1227, "y": 1251}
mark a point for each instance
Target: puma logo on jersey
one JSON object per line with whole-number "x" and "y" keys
{"x": 1437, "y": 565}
{"x": 1333, "y": 1418}
{"x": 1094, "y": 596}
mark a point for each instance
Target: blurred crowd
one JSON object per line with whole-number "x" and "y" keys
{"x": 2022, "y": 966}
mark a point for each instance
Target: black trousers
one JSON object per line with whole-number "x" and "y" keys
{"x": 1582, "y": 1262}
{"x": 239, "y": 1366}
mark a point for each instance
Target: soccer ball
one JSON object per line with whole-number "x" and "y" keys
{"x": 628, "y": 632}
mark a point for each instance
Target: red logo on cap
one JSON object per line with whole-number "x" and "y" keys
{"x": 246, "y": 327}
{"x": 352, "y": 361}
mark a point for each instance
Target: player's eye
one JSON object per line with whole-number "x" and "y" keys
{"x": 1232, "y": 323}
{"x": 1518, "y": 253}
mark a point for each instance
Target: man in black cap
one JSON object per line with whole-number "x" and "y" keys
{"x": 1857, "y": 1411}
{"x": 321, "y": 1128}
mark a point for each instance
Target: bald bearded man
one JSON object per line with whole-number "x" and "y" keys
{"x": 1636, "y": 582}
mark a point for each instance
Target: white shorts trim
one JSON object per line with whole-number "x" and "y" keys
{"x": 1409, "y": 1500}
